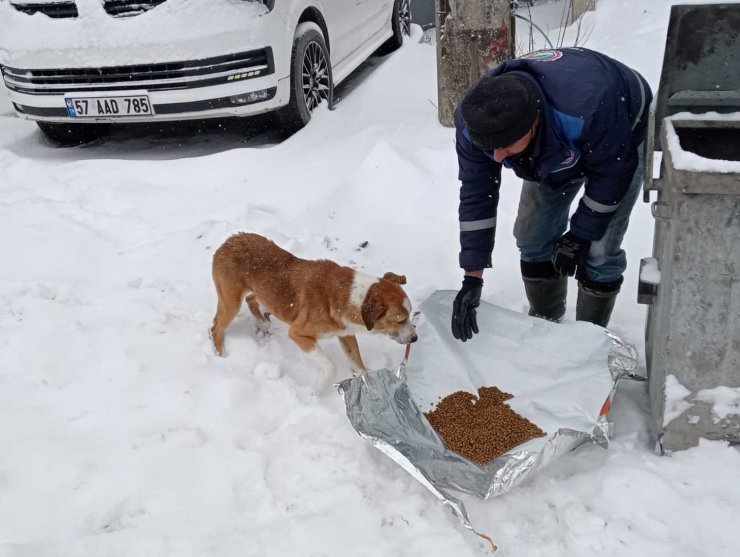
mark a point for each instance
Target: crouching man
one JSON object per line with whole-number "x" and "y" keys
{"x": 563, "y": 120}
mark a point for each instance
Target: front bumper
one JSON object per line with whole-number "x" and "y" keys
{"x": 229, "y": 74}
{"x": 228, "y": 85}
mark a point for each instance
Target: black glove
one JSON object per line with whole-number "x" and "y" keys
{"x": 570, "y": 253}
{"x": 464, "y": 323}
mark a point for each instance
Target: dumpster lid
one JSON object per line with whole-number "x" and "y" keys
{"x": 700, "y": 64}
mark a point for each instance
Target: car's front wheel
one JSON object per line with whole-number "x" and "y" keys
{"x": 69, "y": 135}
{"x": 400, "y": 24}
{"x": 310, "y": 77}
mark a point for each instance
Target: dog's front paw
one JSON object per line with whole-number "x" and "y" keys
{"x": 262, "y": 329}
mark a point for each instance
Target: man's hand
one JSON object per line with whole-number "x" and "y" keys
{"x": 464, "y": 322}
{"x": 570, "y": 254}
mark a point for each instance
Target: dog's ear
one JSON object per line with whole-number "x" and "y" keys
{"x": 372, "y": 309}
{"x": 393, "y": 277}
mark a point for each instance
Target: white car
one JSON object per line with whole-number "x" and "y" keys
{"x": 78, "y": 66}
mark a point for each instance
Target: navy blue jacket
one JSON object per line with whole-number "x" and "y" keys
{"x": 593, "y": 118}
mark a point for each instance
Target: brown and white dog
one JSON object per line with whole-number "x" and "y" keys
{"x": 317, "y": 299}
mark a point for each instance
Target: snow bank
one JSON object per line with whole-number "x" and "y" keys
{"x": 650, "y": 272}
{"x": 725, "y": 401}
{"x": 675, "y": 399}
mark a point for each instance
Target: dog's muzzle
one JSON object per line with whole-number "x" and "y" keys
{"x": 406, "y": 335}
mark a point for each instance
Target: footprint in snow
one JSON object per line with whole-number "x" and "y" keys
{"x": 268, "y": 370}
{"x": 190, "y": 437}
{"x": 122, "y": 516}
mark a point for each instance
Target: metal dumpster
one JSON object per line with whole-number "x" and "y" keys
{"x": 692, "y": 282}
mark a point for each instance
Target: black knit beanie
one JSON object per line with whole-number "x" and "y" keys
{"x": 499, "y": 110}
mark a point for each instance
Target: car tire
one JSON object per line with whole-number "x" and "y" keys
{"x": 68, "y": 135}
{"x": 311, "y": 80}
{"x": 401, "y": 25}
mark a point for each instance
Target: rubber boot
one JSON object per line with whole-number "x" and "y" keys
{"x": 546, "y": 297}
{"x": 596, "y": 301}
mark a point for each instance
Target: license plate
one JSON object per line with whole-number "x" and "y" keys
{"x": 110, "y": 107}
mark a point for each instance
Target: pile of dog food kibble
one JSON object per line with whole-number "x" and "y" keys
{"x": 483, "y": 427}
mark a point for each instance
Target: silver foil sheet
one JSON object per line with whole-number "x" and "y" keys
{"x": 381, "y": 408}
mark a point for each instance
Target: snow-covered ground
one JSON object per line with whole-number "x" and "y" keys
{"x": 124, "y": 435}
